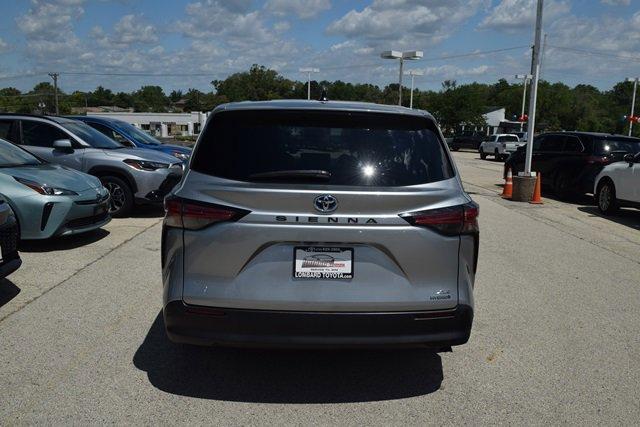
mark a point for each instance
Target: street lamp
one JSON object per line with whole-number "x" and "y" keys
{"x": 413, "y": 73}
{"x": 525, "y": 80}
{"x": 633, "y": 100}
{"x": 402, "y": 56}
{"x": 309, "y": 71}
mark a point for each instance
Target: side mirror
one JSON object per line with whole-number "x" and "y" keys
{"x": 629, "y": 158}
{"x": 63, "y": 145}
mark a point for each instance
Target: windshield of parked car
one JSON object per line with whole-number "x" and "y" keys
{"x": 91, "y": 136}
{"x": 334, "y": 148}
{"x": 12, "y": 156}
{"x": 610, "y": 145}
{"x": 138, "y": 135}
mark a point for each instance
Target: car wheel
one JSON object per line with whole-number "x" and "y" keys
{"x": 562, "y": 186}
{"x": 606, "y": 198}
{"x": 496, "y": 154}
{"x": 121, "y": 196}
{"x": 455, "y": 148}
{"x": 483, "y": 155}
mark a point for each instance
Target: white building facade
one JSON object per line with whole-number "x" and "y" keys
{"x": 163, "y": 124}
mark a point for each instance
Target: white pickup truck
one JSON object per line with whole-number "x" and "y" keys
{"x": 500, "y": 145}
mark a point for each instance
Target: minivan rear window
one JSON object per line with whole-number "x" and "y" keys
{"x": 344, "y": 148}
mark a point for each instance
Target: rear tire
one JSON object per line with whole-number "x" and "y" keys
{"x": 483, "y": 155}
{"x": 121, "y": 196}
{"x": 606, "y": 197}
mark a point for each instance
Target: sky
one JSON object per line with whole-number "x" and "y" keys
{"x": 187, "y": 44}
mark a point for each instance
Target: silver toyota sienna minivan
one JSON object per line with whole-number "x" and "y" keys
{"x": 319, "y": 223}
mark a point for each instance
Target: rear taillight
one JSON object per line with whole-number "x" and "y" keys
{"x": 598, "y": 160}
{"x": 451, "y": 221}
{"x": 192, "y": 215}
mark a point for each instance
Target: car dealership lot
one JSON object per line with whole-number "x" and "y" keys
{"x": 554, "y": 339}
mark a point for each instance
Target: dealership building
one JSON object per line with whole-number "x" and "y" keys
{"x": 161, "y": 124}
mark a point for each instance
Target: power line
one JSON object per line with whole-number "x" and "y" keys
{"x": 597, "y": 53}
{"x": 439, "y": 58}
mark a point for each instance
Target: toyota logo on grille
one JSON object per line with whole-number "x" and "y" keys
{"x": 325, "y": 203}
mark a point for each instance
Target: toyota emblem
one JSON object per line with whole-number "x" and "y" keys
{"x": 325, "y": 203}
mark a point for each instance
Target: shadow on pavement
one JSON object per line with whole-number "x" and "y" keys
{"x": 280, "y": 376}
{"x": 8, "y": 291}
{"x": 629, "y": 217}
{"x": 148, "y": 211}
{"x": 63, "y": 243}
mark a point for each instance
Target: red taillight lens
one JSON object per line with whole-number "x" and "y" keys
{"x": 450, "y": 221}
{"x": 191, "y": 215}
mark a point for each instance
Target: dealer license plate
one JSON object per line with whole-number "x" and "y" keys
{"x": 322, "y": 262}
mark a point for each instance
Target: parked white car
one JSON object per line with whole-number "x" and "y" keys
{"x": 500, "y": 146}
{"x": 618, "y": 185}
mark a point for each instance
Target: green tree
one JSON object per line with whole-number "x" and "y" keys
{"x": 150, "y": 98}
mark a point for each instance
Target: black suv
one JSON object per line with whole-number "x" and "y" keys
{"x": 467, "y": 139}
{"x": 570, "y": 161}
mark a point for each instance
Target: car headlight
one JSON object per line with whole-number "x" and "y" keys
{"x": 182, "y": 156}
{"x": 146, "y": 165}
{"x": 45, "y": 189}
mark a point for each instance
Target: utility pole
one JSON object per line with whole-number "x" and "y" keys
{"x": 413, "y": 73}
{"x": 54, "y": 76}
{"x": 525, "y": 81}
{"x": 309, "y": 71}
{"x": 534, "y": 88}
{"x": 633, "y": 101}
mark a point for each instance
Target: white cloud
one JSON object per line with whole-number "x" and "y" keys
{"x": 510, "y": 15}
{"x": 303, "y": 9}
{"x": 402, "y": 22}
{"x": 130, "y": 29}
{"x": 48, "y": 29}
{"x": 281, "y": 26}
{"x": 4, "y": 46}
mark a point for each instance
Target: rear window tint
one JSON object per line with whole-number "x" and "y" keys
{"x": 508, "y": 139}
{"x": 356, "y": 149}
{"x": 610, "y": 145}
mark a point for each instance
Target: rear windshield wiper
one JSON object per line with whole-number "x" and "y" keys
{"x": 294, "y": 174}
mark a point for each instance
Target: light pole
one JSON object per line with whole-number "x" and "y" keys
{"x": 402, "y": 56}
{"x": 633, "y": 101}
{"x": 413, "y": 73}
{"x": 531, "y": 126}
{"x": 525, "y": 81}
{"x": 309, "y": 71}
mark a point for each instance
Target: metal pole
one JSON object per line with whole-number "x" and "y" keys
{"x": 309, "y": 86}
{"x": 633, "y": 104}
{"x": 411, "y": 97}
{"x": 524, "y": 97}
{"x": 534, "y": 89}
{"x": 54, "y": 76}
{"x": 400, "y": 85}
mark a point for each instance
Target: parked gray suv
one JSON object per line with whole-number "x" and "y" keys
{"x": 132, "y": 175}
{"x": 309, "y": 223}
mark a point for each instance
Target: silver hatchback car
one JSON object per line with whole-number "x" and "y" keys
{"x": 319, "y": 223}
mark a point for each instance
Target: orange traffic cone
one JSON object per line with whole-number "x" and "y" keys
{"x": 537, "y": 197}
{"x": 507, "y": 191}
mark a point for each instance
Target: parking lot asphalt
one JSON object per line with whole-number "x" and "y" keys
{"x": 555, "y": 338}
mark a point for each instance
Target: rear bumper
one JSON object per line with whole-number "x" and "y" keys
{"x": 264, "y": 328}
